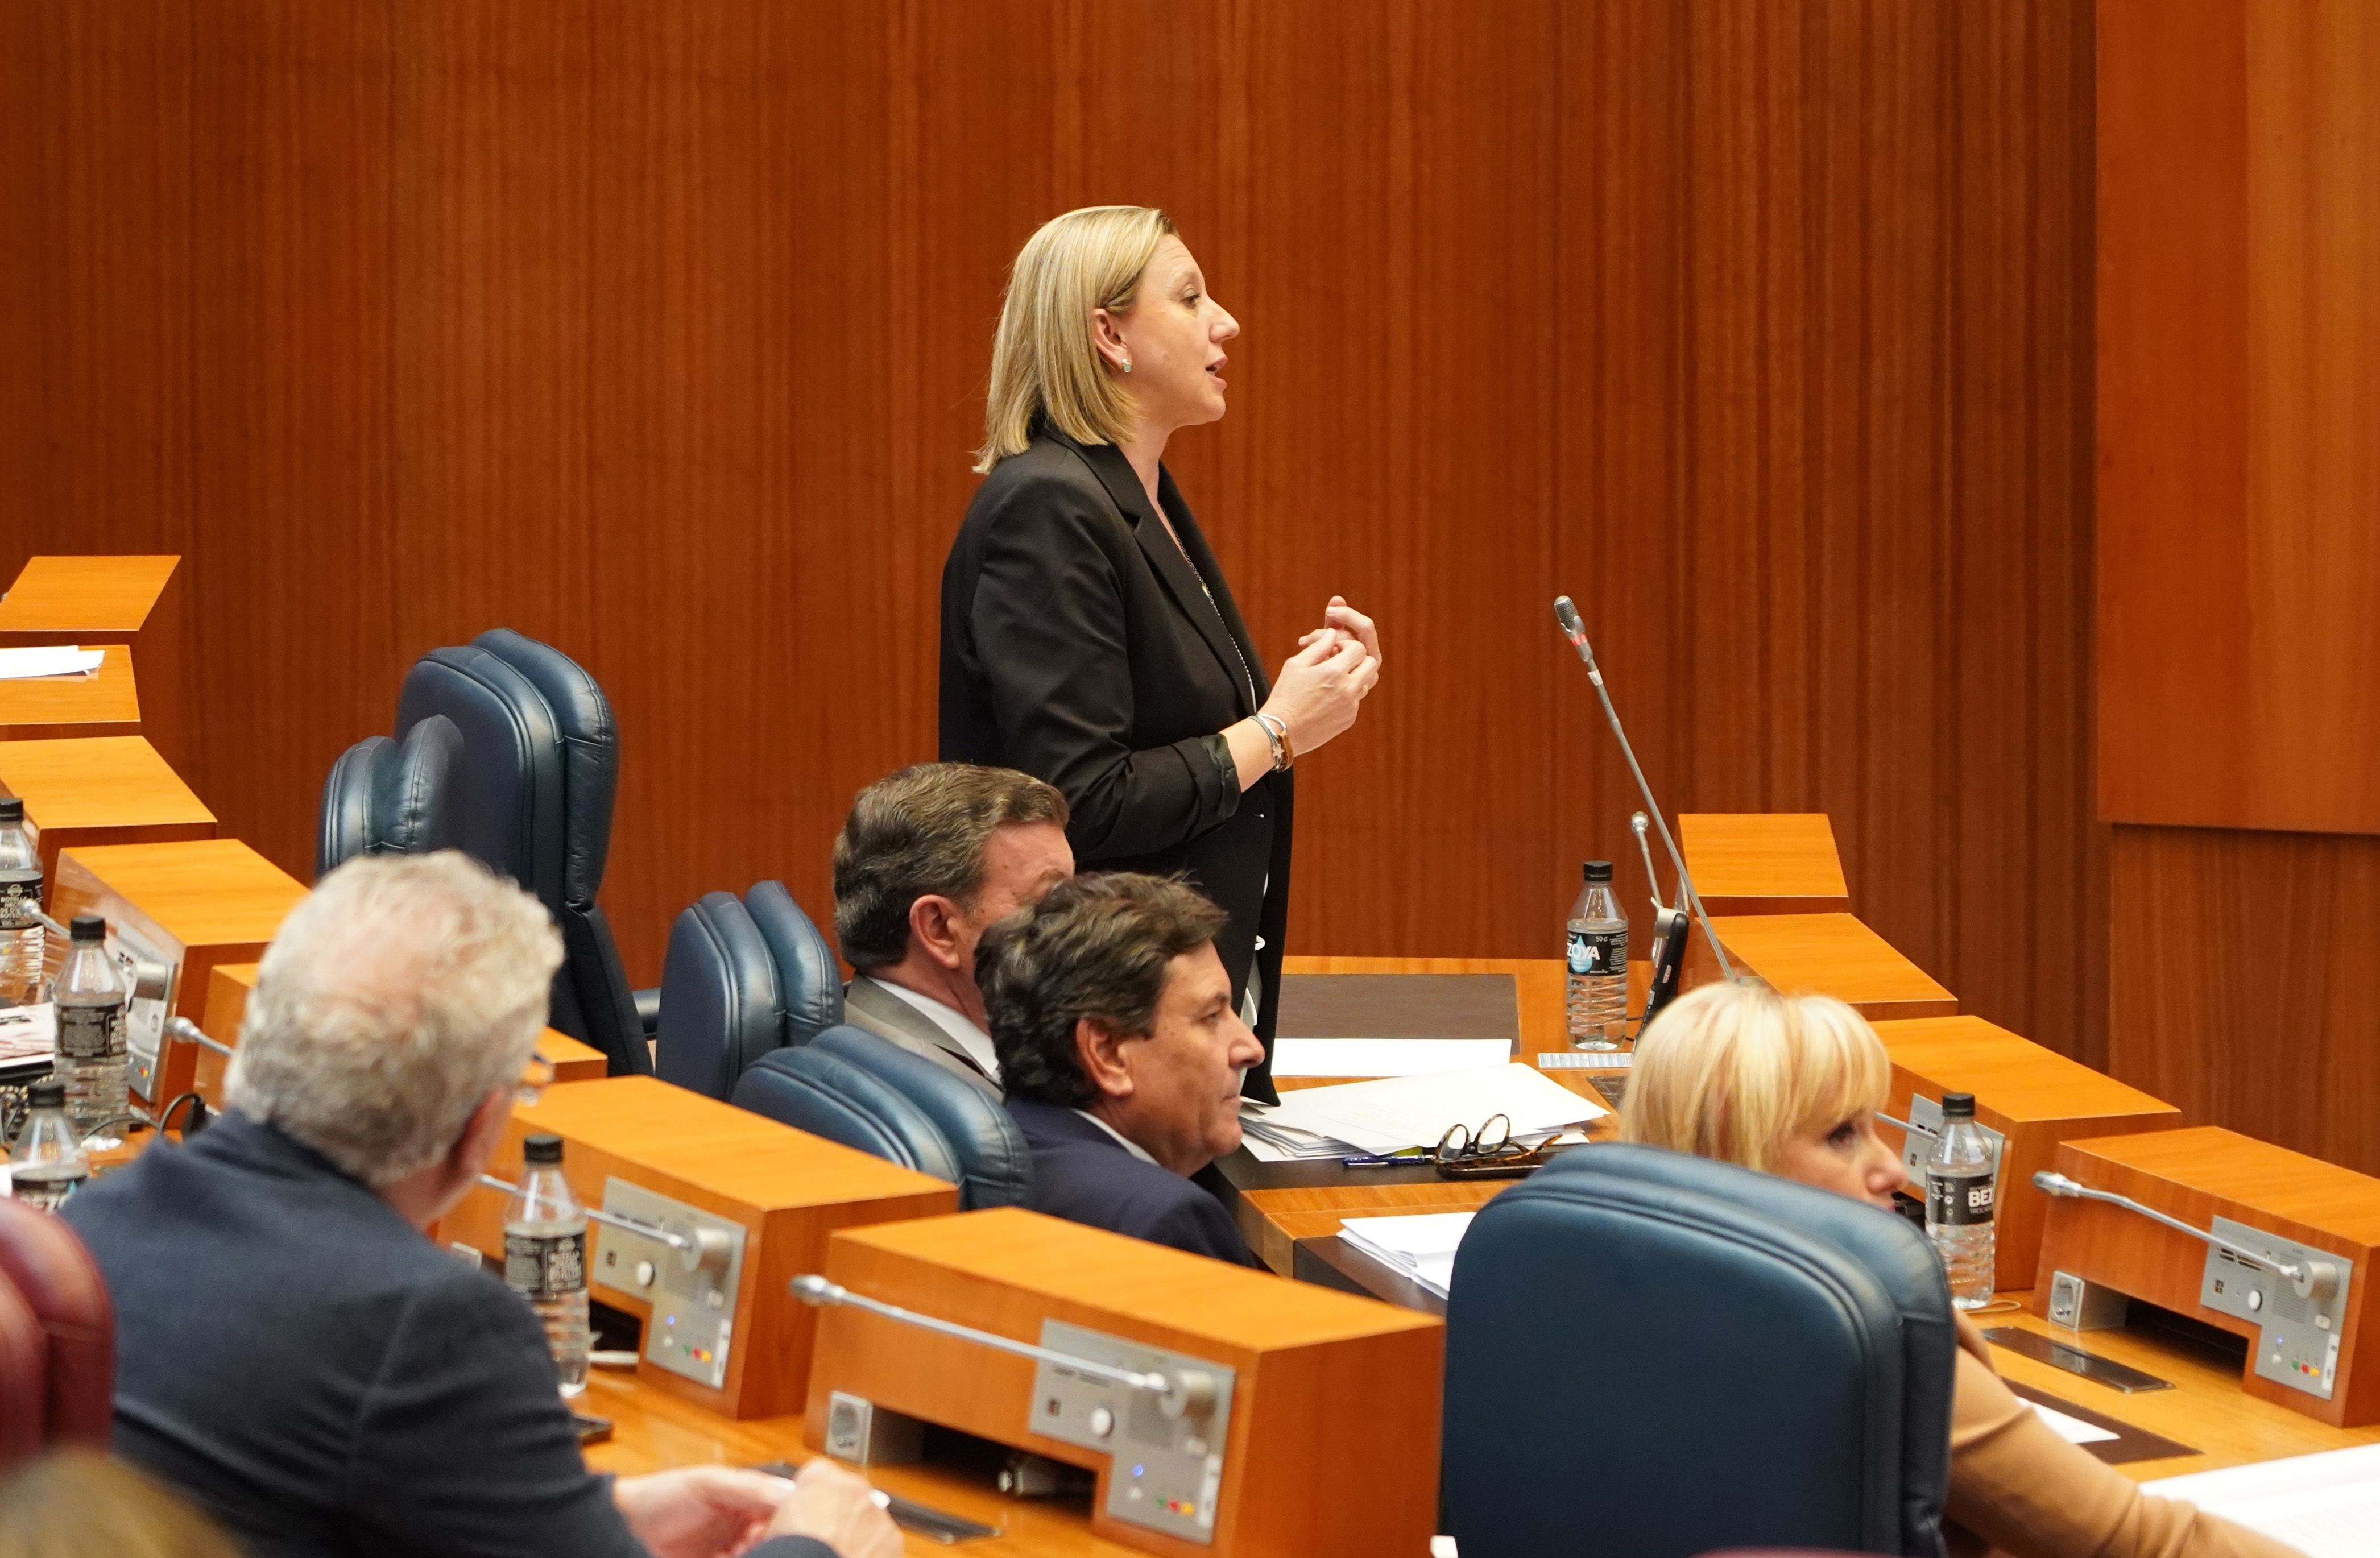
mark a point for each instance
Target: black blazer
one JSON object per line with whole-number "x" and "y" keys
{"x": 319, "y": 1378}
{"x": 1079, "y": 648}
{"x": 1085, "y": 1176}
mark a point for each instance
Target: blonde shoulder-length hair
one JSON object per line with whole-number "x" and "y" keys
{"x": 1043, "y": 358}
{"x": 1733, "y": 1071}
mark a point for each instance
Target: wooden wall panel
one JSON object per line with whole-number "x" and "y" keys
{"x": 2240, "y": 385}
{"x": 2240, "y": 982}
{"x": 659, "y": 330}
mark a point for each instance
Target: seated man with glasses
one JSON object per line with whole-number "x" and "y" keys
{"x": 1121, "y": 1055}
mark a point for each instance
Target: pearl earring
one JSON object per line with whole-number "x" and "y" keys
{"x": 1127, "y": 365}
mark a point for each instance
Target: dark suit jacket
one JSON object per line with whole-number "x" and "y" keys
{"x": 1078, "y": 646}
{"x": 321, "y": 1378}
{"x": 1083, "y": 1175}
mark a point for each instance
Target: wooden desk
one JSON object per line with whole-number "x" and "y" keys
{"x": 652, "y": 1431}
{"x": 105, "y": 703}
{"x": 102, "y": 789}
{"x": 1764, "y": 863}
{"x": 95, "y": 600}
{"x": 1832, "y": 954}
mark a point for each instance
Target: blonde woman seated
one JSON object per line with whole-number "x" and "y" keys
{"x": 1790, "y": 1085}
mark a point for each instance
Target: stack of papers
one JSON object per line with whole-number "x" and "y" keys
{"x": 60, "y": 660}
{"x": 1422, "y": 1247}
{"x": 1406, "y": 1113}
{"x": 28, "y": 1034}
{"x": 2324, "y": 1505}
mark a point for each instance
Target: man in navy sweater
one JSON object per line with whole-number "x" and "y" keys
{"x": 1121, "y": 1055}
{"x": 293, "y": 1353}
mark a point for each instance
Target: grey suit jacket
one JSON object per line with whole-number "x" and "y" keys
{"x": 868, "y": 1004}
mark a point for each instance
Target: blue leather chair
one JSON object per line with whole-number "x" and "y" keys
{"x": 1764, "y": 1365}
{"x": 742, "y": 977}
{"x": 850, "y": 1086}
{"x": 390, "y": 797}
{"x": 533, "y": 800}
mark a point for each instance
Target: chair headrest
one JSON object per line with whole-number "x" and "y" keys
{"x": 995, "y": 1163}
{"x": 820, "y": 1091}
{"x": 507, "y": 800}
{"x": 810, "y": 982}
{"x": 389, "y": 797}
{"x": 590, "y": 753}
{"x": 720, "y": 1002}
{"x": 57, "y": 1281}
{"x": 1797, "y": 1337}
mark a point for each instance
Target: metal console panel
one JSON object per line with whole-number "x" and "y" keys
{"x": 692, "y": 1290}
{"x": 2297, "y": 1338}
{"x": 1168, "y": 1471}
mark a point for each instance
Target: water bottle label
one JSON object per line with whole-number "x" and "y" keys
{"x": 17, "y": 901}
{"x": 1958, "y": 1201}
{"x": 45, "y": 1195}
{"x": 91, "y": 1033}
{"x": 1598, "y": 951}
{"x": 540, "y": 1267}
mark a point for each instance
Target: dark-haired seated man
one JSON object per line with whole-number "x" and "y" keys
{"x": 1121, "y": 1055}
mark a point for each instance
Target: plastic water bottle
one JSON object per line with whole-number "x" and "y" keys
{"x": 1598, "y": 963}
{"x": 545, "y": 1256}
{"x": 1960, "y": 1183}
{"x": 91, "y": 996}
{"x": 48, "y": 1163}
{"x": 22, "y": 944}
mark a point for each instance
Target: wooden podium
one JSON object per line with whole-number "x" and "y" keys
{"x": 681, "y": 1161}
{"x": 1832, "y": 954}
{"x": 2035, "y": 1097}
{"x": 1764, "y": 863}
{"x": 2304, "y": 1350}
{"x": 104, "y": 790}
{"x": 190, "y": 906}
{"x": 93, "y": 601}
{"x": 104, "y": 702}
{"x": 1325, "y": 1442}
{"x": 226, "y": 1002}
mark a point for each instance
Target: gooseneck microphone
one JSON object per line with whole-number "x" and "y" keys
{"x": 1644, "y": 848}
{"x": 1567, "y": 615}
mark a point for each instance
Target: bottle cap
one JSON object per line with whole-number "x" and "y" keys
{"x": 50, "y": 1092}
{"x": 1958, "y": 1106}
{"x": 89, "y": 927}
{"x": 12, "y": 809}
{"x": 1597, "y": 871}
{"x": 541, "y": 1149}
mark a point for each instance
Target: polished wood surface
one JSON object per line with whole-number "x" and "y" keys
{"x": 789, "y": 1190}
{"x": 2034, "y": 1097}
{"x": 2199, "y": 1173}
{"x": 537, "y": 313}
{"x": 2238, "y": 347}
{"x": 201, "y": 904}
{"x": 138, "y": 600}
{"x": 1762, "y": 863}
{"x": 1832, "y": 954}
{"x": 100, "y": 791}
{"x": 1332, "y": 1442}
{"x": 2240, "y": 983}
{"x": 105, "y": 703}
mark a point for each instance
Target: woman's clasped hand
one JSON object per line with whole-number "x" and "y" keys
{"x": 1320, "y": 687}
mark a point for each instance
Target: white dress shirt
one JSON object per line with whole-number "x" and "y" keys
{"x": 1135, "y": 1148}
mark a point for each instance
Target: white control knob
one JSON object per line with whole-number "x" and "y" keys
{"x": 1102, "y": 1422}
{"x": 645, "y": 1274}
{"x": 2256, "y": 1299}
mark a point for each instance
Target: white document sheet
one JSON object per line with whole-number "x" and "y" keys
{"x": 2325, "y": 1505}
{"x": 28, "y": 1034}
{"x": 1384, "y": 1057}
{"x": 1422, "y": 1246}
{"x": 2074, "y": 1430}
{"x": 48, "y": 659}
{"x": 1402, "y": 1112}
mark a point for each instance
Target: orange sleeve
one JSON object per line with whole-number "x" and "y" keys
{"x": 2018, "y": 1486}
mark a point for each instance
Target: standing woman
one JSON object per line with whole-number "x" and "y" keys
{"x": 1088, "y": 638}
